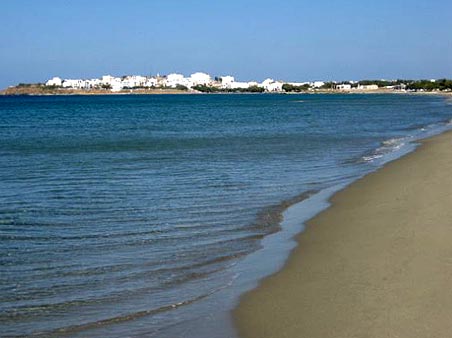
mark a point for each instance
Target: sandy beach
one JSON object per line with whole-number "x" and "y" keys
{"x": 377, "y": 263}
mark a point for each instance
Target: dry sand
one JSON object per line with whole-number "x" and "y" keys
{"x": 377, "y": 263}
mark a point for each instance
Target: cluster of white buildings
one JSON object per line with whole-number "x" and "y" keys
{"x": 349, "y": 86}
{"x": 109, "y": 82}
{"x": 173, "y": 80}
{"x": 179, "y": 81}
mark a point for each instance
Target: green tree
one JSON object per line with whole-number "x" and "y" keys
{"x": 181, "y": 87}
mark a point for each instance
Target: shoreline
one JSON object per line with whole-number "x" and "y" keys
{"x": 279, "y": 249}
{"x": 342, "y": 278}
{"x": 73, "y": 92}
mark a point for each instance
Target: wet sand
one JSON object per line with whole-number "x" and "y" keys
{"x": 377, "y": 263}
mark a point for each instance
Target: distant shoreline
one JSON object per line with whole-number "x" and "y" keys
{"x": 36, "y": 91}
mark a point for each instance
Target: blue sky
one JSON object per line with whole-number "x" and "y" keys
{"x": 291, "y": 40}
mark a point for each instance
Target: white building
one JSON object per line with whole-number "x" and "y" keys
{"x": 200, "y": 79}
{"x": 71, "y": 83}
{"x": 317, "y": 84}
{"x": 344, "y": 86}
{"x": 56, "y": 81}
{"x": 275, "y": 87}
{"x": 174, "y": 79}
{"x": 161, "y": 81}
{"x": 114, "y": 82}
{"x": 151, "y": 82}
{"x": 271, "y": 85}
{"x": 108, "y": 79}
{"x": 90, "y": 84}
{"x": 301, "y": 84}
{"x": 116, "y": 86}
{"x": 132, "y": 81}
{"x": 227, "y": 81}
{"x": 368, "y": 87}
{"x": 81, "y": 84}
{"x": 239, "y": 85}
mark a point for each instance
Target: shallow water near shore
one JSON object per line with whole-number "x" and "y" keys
{"x": 141, "y": 216}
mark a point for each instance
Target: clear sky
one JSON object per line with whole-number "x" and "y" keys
{"x": 293, "y": 40}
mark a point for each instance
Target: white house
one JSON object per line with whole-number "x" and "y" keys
{"x": 227, "y": 81}
{"x": 271, "y": 85}
{"x": 317, "y": 84}
{"x": 93, "y": 83}
{"x": 344, "y": 86}
{"x": 275, "y": 87}
{"x": 239, "y": 85}
{"x": 116, "y": 86}
{"x": 301, "y": 84}
{"x": 174, "y": 79}
{"x": 76, "y": 84}
{"x": 108, "y": 79}
{"x": 200, "y": 79}
{"x": 266, "y": 82}
{"x": 368, "y": 87}
{"x": 81, "y": 84}
{"x": 114, "y": 82}
{"x": 151, "y": 82}
{"x": 56, "y": 81}
{"x": 132, "y": 81}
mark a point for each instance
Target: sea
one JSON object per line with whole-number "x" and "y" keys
{"x": 150, "y": 215}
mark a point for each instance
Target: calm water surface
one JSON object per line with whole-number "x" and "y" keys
{"x": 124, "y": 215}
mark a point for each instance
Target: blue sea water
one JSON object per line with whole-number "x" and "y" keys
{"x": 130, "y": 215}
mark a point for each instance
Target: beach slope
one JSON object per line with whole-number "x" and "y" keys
{"x": 377, "y": 263}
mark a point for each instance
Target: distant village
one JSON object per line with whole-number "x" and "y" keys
{"x": 201, "y": 82}
{"x": 195, "y": 81}
{"x": 205, "y": 83}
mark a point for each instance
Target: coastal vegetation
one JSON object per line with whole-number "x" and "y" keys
{"x": 414, "y": 85}
{"x": 428, "y": 85}
{"x": 41, "y": 89}
{"x": 287, "y": 87}
{"x": 214, "y": 89}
